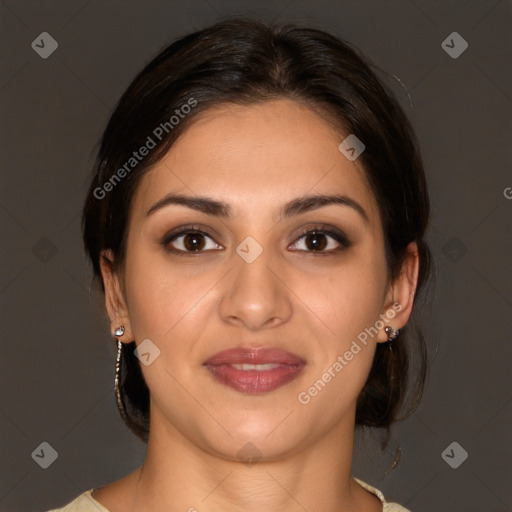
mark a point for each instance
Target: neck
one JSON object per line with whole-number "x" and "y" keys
{"x": 180, "y": 475}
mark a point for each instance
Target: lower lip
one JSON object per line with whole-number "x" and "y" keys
{"x": 255, "y": 381}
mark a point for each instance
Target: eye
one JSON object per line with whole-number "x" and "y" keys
{"x": 316, "y": 240}
{"x": 189, "y": 241}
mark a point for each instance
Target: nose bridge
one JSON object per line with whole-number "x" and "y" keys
{"x": 252, "y": 263}
{"x": 254, "y": 295}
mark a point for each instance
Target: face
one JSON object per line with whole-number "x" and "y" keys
{"x": 199, "y": 282}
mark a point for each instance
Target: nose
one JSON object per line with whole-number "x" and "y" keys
{"x": 255, "y": 295}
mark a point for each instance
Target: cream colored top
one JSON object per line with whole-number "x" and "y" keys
{"x": 86, "y": 503}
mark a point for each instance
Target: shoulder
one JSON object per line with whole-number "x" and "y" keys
{"x": 394, "y": 507}
{"x": 83, "y": 503}
{"x": 386, "y": 505}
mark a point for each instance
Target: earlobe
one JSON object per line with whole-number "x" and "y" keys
{"x": 114, "y": 300}
{"x": 400, "y": 298}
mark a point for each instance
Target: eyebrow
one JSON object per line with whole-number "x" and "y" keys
{"x": 294, "y": 207}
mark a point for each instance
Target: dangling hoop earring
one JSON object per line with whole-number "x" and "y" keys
{"x": 119, "y": 332}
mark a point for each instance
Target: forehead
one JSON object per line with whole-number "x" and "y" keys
{"x": 256, "y": 157}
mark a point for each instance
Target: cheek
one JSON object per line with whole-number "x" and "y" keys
{"x": 349, "y": 305}
{"x": 171, "y": 304}
{"x": 162, "y": 300}
{"x": 167, "y": 307}
{"x": 347, "y": 300}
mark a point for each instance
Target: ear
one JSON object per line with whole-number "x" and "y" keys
{"x": 114, "y": 299}
{"x": 400, "y": 295}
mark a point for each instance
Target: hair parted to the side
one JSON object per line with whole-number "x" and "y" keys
{"x": 244, "y": 61}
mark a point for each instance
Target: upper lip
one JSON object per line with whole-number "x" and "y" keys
{"x": 260, "y": 355}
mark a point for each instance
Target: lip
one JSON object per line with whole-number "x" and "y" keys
{"x": 286, "y": 367}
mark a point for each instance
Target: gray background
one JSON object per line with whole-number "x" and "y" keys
{"x": 57, "y": 356}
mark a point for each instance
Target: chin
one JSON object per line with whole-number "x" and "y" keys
{"x": 257, "y": 435}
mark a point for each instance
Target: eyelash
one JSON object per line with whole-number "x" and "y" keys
{"x": 338, "y": 236}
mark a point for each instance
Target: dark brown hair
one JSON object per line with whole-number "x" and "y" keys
{"x": 244, "y": 61}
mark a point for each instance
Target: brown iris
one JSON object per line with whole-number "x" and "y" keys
{"x": 317, "y": 244}
{"x": 193, "y": 241}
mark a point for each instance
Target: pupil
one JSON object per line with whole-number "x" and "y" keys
{"x": 196, "y": 242}
{"x": 316, "y": 245}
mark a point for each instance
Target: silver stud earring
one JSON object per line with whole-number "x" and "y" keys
{"x": 119, "y": 331}
{"x": 392, "y": 333}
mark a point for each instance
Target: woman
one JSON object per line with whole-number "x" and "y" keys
{"x": 256, "y": 220}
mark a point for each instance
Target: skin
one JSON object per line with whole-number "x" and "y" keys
{"x": 256, "y": 158}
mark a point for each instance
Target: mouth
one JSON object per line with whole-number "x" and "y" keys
{"x": 255, "y": 370}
